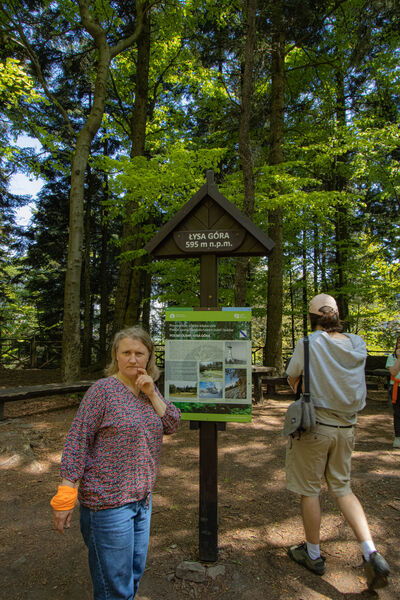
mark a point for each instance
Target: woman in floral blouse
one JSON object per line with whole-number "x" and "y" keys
{"x": 110, "y": 463}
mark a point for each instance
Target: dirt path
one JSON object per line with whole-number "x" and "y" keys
{"x": 258, "y": 518}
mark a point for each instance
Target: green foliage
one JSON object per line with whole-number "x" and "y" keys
{"x": 15, "y": 84}
{"x": 341, "y": 150}
{"x": 158, "y": 186}
{"x": 18, "y": 314}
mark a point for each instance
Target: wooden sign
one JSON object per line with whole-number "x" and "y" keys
{"x": 209, "y": 224}
{"x": 217, "y": 240}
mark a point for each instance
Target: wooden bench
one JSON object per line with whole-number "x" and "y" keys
{"x": 260, "y": 376}
{"x": 36, "y": 391}
{"x": 383, "y": 375}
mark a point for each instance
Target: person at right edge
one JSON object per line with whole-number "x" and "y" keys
{"x": 338, "y": 392}
{"x": 391, "y": 362}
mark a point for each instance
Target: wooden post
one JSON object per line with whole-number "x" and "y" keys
{"x": 33, "y": 353}
{"x": 208, "y": 281}
{"x": 208, "y": 497}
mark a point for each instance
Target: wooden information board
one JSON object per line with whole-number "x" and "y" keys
{"x": 206, "y": 227}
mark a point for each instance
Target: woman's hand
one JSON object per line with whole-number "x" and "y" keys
{"x": 146, "y": 385}
{"x": 65, "y": 498}
{"x": 144, "y": 382}
{"x": 62, "y": 519}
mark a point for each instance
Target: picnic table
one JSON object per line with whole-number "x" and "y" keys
{"x": 262, "y": 375}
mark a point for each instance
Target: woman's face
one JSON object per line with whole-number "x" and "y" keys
{"x": 131, "y": 354}
{"x": 398, "y": 343}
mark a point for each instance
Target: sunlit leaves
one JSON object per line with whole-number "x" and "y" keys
{"x": 160, "y": 185}
{"x": 15, "y": 84}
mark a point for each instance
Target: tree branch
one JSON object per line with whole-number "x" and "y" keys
{"x": 24, "y": 43}
{"x": 141, "y": 7}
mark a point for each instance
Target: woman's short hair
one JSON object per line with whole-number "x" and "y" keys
{"x": 329, "y": 320}
{"x": 133, "y": 333}
{"x": 396, "y": 345}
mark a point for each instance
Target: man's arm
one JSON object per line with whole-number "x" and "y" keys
{"x": 296, "y": 366}
{"x": 394, "y": 369}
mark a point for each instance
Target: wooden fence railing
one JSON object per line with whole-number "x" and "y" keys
{"x": 36, "y": 353}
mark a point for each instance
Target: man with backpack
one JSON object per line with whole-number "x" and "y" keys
{"x": 338, "y": 392}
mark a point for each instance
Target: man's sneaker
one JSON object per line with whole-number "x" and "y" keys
{"x": 300, "y": 555}
{"x": 396, "y": 442}
{"x": 377, "y": 571}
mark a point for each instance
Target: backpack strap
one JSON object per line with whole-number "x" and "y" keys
{"x": 306, "y": 393}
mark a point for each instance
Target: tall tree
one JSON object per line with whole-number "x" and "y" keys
{"x": 106, "y": 52}
{"x": 128, "y": 296}
{"x": 273, "y": 340}
{"x": 246, "y": 161}
{"x": 109, "y": 24}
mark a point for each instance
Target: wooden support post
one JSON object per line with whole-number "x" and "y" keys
{"x": 33, "y": 353}
{"x": 208, "y": 498}
{"x": 208, "y": 281}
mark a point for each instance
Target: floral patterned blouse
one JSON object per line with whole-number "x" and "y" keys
{"x": 114, "y": 443}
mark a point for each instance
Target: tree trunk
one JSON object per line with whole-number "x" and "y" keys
{"x": 247, "y": 86}
{"x": 128, "y": 298}
{"x": 87, "y": 287}
{"x": 316, "y": 252}
{"x": 342, "y": 218}
{"x": 133, "y": 309}
{"x": 273, "y": 341}
{"x": 70, "y": 366}
{"x": 324, "y": 280}
{"x": 104, "y": 287}
{"x": 293, "y": 336}
{"x": 146, "y": 285}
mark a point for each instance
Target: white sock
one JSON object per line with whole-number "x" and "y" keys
{"x": 367, "y": 547}
{"x": 313, "y": 551}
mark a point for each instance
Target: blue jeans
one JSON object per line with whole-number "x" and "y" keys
{"x": 117, "y": 540}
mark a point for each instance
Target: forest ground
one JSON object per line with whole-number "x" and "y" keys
{"x": 258, "y": 518}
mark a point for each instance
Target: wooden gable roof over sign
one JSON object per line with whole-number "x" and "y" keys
{"x": 209, "y": 224}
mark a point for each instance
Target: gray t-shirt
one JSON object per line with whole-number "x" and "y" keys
{"x": 337, "y": 375}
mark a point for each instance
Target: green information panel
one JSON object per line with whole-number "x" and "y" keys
{"x": 208, "y": 363}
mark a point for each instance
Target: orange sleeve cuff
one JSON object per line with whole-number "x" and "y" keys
{"x": 65, "y": 498}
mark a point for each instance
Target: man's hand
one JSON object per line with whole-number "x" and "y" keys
{"x": 293, "y": 382}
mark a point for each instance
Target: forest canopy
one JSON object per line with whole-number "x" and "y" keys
{"x": 294, "y": 105}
